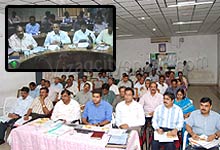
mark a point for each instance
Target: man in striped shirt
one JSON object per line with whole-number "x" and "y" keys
{"x": 168, "y": 117}
{"x": 41, "y": 106}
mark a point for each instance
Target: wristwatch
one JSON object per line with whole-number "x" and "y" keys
{"x": 43, "y": 106}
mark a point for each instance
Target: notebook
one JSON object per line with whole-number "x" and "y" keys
{"x": 97, "y": 134}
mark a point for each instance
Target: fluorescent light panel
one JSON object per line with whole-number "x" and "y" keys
{"x": 186, "y": 22}
{"x": 190, "y": 3}
{"x": 124, "y": 35}
{"x": 190, "y": 31}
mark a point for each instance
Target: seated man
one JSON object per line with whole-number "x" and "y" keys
{"x": 129, "y": 113}
{"x": 150, "y": 101}
{"x": 125, "y": 81}
{"x": 34, "y": 91}
{"x": 19, "y": 110}
{"x": 107, "y": 95}
{"x": 41, "y": 106}
{"x": 173, "y": 87}
{"x": 99, "y": 25}
{"x": 21, "y": 41}
{"x": 106, "y": 36}
{"x": 67, "y": 109}
{"x": 113, "y": 87}
{"x": 97, "y": 112}
{"x": 57, "y": 37}
{"x": 119, "y": 98}
{"x": 72, "y": 87}
{"x": 167, "y": 117}
{"x": 32, "y": 28}
{"x": 204, "y": 121}
{"x": 84, "y": 95}
{"x": 84, "y": 34}
{"x": 161, "y": 85}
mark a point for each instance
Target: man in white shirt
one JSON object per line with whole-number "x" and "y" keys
{"x": 84, "y": 81}
{"x": 72, "y": 87}
{"x": 129, "y": 113}
{"x": 67, "y": 109}
{"x": 19, "y": 110}
{"x": 140, "y": 85}
{"x": 113, "y": 87}
{"x": 161, "y": 85}
{"x": 53, "y": 94}
{"x": 21, "y": 41}
{"x": 57, "y": 37}
{"x": 167, "y": 117}
{"x": 83, "y": 34}
{"x": 106, "y": 36}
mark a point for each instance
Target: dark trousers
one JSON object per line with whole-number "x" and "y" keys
{"x": 198, "y": 148}
{"x": 167, "y": 145}
{"x": 4, "y": 126}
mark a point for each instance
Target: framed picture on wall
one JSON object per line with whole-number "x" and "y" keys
{"x": 162, "y": 47}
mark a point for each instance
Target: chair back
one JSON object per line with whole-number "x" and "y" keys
{"x": 9, "y": 103}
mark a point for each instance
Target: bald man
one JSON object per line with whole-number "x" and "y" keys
{"x": 57, "y": 36}
{"x": 21, "y": 41}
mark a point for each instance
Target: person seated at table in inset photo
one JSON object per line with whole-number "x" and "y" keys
{"x": 19, "y": 110}
{"x": 21, "y": 41}
{"x": 14, "y": 18}
{"x": 106, "y": 36}
{"x": 67, "y": 109}
{"x": 84, "y": 34}
{"x": 33, "y": 27}
{"x": 67, "y": 19}
{"x": 57, "y": 37}
{"x": 129, "y": 113}
{"x": 41, "y": 106}
{"x": 97, "y": 111}
{"x": 99, "y": 25}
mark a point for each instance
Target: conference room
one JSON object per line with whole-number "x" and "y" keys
{"x": 173, "y": 43}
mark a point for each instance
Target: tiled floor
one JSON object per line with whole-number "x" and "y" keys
{"x": 195, "y": 93}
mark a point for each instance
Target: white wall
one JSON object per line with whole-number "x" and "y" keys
{"x": 200, "y": 50}
{"x": 219, "y": 60}
{"x": 10, "y": 81}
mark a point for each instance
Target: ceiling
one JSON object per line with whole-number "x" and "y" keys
{"x": 155, "y": 12}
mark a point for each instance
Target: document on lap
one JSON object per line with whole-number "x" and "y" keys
{"x": 164, "y": 138}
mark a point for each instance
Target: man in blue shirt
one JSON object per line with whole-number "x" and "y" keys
{"x": 97, "y": 111}
{"x": 57, "y": 37}
{"x": 204, "y": 122}
{"x": 32, "y": 27}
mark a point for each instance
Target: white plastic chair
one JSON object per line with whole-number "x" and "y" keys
{"x": 8, "y": 105}
{"x": 184, "y": 140}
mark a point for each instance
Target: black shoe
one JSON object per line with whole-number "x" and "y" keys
{"x": 2, "y": 142}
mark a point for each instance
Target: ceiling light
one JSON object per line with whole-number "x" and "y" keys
{"x": 190, "y": 3}
{"x": 154, "y": 29}
{"x": 124, "y": 35}
{"x": 190, "y": 31}
{"x": 141, "y": 18}
{"x": 117, "y": 28}
{"x": 186, "y": 22}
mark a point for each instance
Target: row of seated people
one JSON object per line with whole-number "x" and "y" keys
{"x": 166, "y": 117}
{"x": 23, "y": 41}
{"x": 98, "y": 22}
